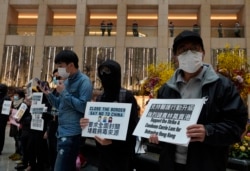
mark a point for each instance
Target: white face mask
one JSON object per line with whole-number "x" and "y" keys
{"x": 190, "y": 61}
{"x": 63, "y": 73}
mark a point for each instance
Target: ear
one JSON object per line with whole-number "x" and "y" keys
{"x": 203, "y": 55}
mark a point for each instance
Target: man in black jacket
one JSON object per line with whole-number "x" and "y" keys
{"x": 223, "y": 117}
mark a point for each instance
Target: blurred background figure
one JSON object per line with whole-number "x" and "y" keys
{"x": 171, "y": 28}
{"x": 135, "y": 29}
{"x": 220, "y": 30}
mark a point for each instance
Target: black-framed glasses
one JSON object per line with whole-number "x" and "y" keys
{"x": 105, "y": 70}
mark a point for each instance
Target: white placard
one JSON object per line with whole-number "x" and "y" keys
{"x": 37, "y": 98}
{"x": 169, "y": 118}
{"x": 37, "y": 109}
{"x": 37, "y": 123}
{"x": 107, "y": 120}
{"x": 19, "y": 114}
{"x": 6, "y": 107}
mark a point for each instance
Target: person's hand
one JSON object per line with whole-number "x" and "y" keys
{"x": 196, "y": 132}
{"x": 153, "y": 139}
{"x": 45, "y": 135}
{"x": 84, "y": 122}
{"x": 60, "y": 86}
{"x": 103, "y": 141}
{"x": 43, "y": 89}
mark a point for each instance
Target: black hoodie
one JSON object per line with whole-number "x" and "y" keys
{"x": 118, "y": 155}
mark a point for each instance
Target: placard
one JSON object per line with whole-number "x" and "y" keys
{"x": 107, "y": 120}
{"x": 37, "y": 98}
{"x": 169, "y": 118}
{"x": 19, "y": 114}
{"x": 6, "y": 107}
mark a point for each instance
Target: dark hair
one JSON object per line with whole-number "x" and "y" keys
{"x": 3, "y": 89}
{"x": 20, "y": 93}
{"x": 67, "y": 56}
{"x": 55, "y": 70}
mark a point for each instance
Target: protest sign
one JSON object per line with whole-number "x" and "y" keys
{"x": 37, "y": 98}
{"x": 6, "y": 107}
{"x": 19, "y": 114}
{"x": 169, "y": 118}
{"x": 36, "y": 110}
{"x": 107, "y": 120}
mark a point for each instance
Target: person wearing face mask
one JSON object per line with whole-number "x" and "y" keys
{"x": 115, "y": 155}
{"x": 15, "y": 131}
{"x": 222, "y": 119}
{"x": 74, "y": 93}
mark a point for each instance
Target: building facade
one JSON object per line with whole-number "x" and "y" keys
{"x": 33, "y": 31}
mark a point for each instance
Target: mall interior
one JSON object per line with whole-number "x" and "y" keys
{"x": 32, "y": 32}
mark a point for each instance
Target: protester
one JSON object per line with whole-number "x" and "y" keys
{"x": 74, "y": 92}
{"x": 115, "y": 155}
{"x": 53, "y": 124}
{"x": 15, "y": 129}
{"x": 25, "y": 136}
{"x": 223, "y": 117}
{"x": 3, "y": 117}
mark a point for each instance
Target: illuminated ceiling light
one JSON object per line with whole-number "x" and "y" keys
{"x": 182, "y": 18}
{"x": 223, "y": 17}
{"x": 149, "y": 17}
{"x": 103, "y": 17}
{"x": 56, "y": 16}
{"x": 64, "y": 16}
{"x": 27, "y": 16}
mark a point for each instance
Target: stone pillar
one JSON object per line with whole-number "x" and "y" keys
{"x": 205, "y": 25}
{"x": 4, "y": 26}
{"x": 121, "y": 33}
{"x": 39, "y": 42}
{"x": 247, "y": 26}
{"x": 80, "y": 30}
{"x": 162, "y": 48}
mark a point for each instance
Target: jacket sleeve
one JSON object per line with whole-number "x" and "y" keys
{"x": 224, "y": 115}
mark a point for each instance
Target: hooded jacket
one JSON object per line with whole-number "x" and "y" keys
{"x": 119, "y": 154}
{"x": 224, "y": 116}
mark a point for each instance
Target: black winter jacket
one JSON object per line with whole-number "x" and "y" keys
{"x": 224, "y": 116}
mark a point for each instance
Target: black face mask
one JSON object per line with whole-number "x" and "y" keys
{"x": 110, "y": 75}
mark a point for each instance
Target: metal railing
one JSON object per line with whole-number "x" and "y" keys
{"x": 23, "y": 30}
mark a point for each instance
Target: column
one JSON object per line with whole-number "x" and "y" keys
{"x": 80, "y": 30}
{"x": 39, "y": 42}
{"x": 162, "y": 48}
{"x": 205, "y": 25}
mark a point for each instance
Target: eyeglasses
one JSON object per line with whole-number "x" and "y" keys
{"x": 105, "y": 70}
{"x": 185, "y": 49}
{"x": 58, "y": 78}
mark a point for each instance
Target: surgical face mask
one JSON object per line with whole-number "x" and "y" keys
{"x": 55, "y": 81}
{"x": 16, "y": 98}
{"x": 63, "y": 73}
{"x": 190, "y": 61}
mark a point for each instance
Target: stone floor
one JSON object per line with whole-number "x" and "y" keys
{"x": 8, "y": 165}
